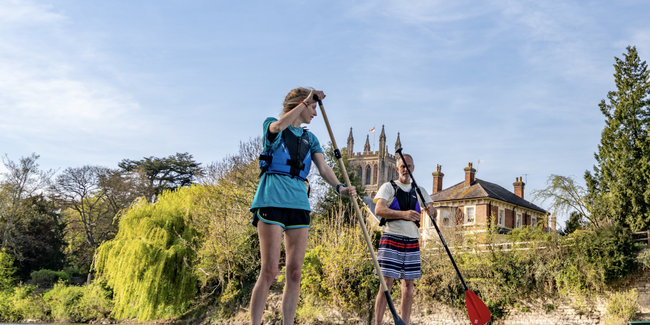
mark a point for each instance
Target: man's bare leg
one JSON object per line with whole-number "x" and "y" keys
{"x": 380, "y": 303}
{"x": 407, "y": 300}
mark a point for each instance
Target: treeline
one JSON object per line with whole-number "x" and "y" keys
{"x": 176, "y": 242}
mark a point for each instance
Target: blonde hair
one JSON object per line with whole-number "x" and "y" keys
{"x": 294, "y": 97}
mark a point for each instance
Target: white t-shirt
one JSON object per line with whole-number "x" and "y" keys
{"x": 400, "y": 226}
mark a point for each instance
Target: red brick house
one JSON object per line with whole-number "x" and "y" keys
{"x": 473, "y": 203}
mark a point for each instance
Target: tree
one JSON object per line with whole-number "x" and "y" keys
{"x": 574, "y": 223}
{"x": 37, "y": 237}
{"x": 92, "y": 199}
{"x": 566, "y": 197}
{"x": 330, "y": 200}
{"x": 21, "y": 181}
{"x": 149, "y": 263}
{"x": 165, "y": 173}
{"x": 619, "y": 188}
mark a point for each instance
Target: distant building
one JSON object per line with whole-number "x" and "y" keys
{"x": 469, "y": 204}
{"x": 374, "y": 167}
{"x": 474, "y": 203}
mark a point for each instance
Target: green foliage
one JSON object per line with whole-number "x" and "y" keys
{"x": 574, "y": 223}
{"x": 37, "y": 237}
{"x": 622, "y": 307}
{"x": 329, "y": 202}
{"x": 21, "y": 303}
{"x": 644, "y": 258}
{"x": 565, "y": 196}
{"x": 149, "y": 264}
{"x": 337, "y": 269}
{"x": 228, "y": 258}
{"x": 74, "y": 304}
{"x": 528, "y": 264}
{"x": 165, "y": 173}
{"x": 619, "y": 188}
{"x": 7, "y": 271}
{"x": 47, "y": 278}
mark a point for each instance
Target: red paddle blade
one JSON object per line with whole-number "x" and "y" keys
{"x": 478, "y": 312}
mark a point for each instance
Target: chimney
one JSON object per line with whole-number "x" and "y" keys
{"x": 519, "y": 187}
{"x": 437, "y": 180}
{"x": 469, "y": 174}
{"x": 546, "y": 226}
{"x": 553, "y": 220}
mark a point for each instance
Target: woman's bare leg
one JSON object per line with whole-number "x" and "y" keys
{"x": 270, "y": 244}
{"x": 295, "y": 244}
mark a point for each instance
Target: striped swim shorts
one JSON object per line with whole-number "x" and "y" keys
{"x": 399, "y": 257}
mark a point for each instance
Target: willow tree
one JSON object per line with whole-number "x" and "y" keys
{"x": 149, "y": 264}
{"x": 619, "y": 187}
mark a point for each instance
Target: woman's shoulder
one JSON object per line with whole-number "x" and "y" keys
{"x": 270, "y": 120}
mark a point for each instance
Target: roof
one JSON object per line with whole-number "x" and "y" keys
{"x": 481, "y": 189}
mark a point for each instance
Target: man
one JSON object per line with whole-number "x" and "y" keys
{"x": 399, "y": 249}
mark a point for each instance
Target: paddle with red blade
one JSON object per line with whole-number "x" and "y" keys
{"x": 478, "y": 312}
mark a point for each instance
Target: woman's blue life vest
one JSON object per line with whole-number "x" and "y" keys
{"x": 292, "y": 157}
{"x": 403, "y": 201}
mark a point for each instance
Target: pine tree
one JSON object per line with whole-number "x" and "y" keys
{"x": 619, "y": 188}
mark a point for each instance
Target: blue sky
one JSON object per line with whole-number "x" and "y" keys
{"x": 514, "y": 84}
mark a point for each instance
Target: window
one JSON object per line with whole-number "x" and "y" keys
{"x": 502, "y": 217}
{"x": 374, "y": 174}
{"x": 518, "y": 220}
{"x": 469, "y": 215}
{"x": 368, "y": 174}
{"x": 533, "y": 221}
{"x": 443, "y": 214}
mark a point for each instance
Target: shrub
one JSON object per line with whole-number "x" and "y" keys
{"x": 76, "y": 304}
{"x": 7, "y": 271}
{"x": 47, "y": 278}
{"x": 644, "y": 259}
{"x": 622, "y": 307}
{"x": 21, "y": 303}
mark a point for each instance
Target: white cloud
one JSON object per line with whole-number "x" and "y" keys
{"x": 47, "y": 92}
{"x": 25, "y": 12}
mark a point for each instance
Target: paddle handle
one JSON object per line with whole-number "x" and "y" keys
{"x": 339, "y": 158}
{"x": 417, "y": 189}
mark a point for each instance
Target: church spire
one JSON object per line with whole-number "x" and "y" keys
{"x": 366, "y": 148}
{"x": 382, "y": 142}
{"x": 398, "y": 143}
{"x": 350, "y": 144}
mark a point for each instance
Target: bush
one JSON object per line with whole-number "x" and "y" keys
{"x": 22, "y": 303}
{"x": 47, "y": 278}
{"x": 644, "y": 259}
{"x": 622, "y": 307}
{"x": 7, "y": 271}
{"x": 535, "y": 264}
{"x": 75, "y": 304}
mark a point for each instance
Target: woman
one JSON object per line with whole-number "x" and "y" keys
{"x": 281, "y": 203}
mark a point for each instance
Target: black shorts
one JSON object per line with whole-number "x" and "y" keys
{"x": 283, "y": 217}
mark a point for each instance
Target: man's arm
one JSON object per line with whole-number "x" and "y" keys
{"x": 387, "y": 213}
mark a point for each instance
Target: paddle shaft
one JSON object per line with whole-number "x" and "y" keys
{"x": 417, "y": 189}
{"x": 337, "y": 153}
